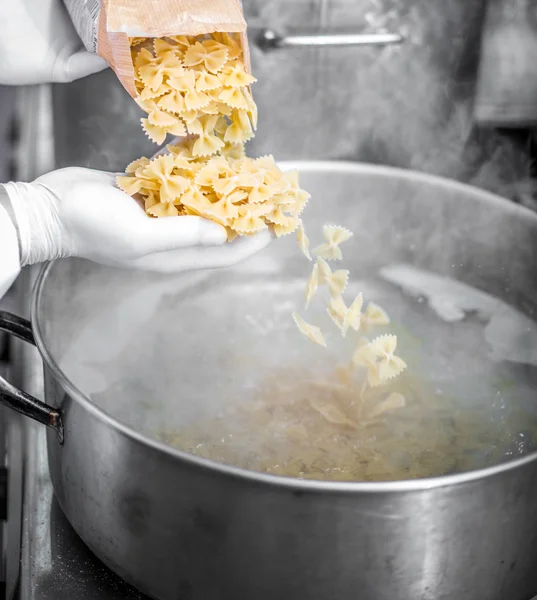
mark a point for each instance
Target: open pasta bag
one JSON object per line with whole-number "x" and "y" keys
{"x": 107, "y": 27}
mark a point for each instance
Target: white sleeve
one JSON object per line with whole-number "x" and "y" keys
{"x": 9, "y": 251}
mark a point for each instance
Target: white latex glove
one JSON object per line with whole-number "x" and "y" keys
{"x": 79, "y": 212}
{"x": 39, "y": 44}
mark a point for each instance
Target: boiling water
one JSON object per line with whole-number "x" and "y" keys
{"x": 231, "y": 379}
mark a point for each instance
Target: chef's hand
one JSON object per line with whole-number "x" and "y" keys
{"x": 80, "y": 212}
{"x": 39, "y": 44}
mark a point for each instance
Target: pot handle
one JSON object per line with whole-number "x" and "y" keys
{"x": 16, "y": 399}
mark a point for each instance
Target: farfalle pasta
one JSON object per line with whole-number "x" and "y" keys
{"x": 333, "y": 236}
{"x": 312, "y": 426}
{"x": 312, "y": 332}
{"x": 195, "y": 85}
{"x": 377, "y": 356}
{"x": 198, "y": 89}
{"x": 245, "y": 195}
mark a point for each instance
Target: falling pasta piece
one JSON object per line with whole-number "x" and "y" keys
{"x": 303, "y": 242}
{"x": 312, "y": 285}
{"x": 379, "y": 357}
{"x": 374, "y": 315}
{"x": 337, "y": 310}
{"x": 391, "y": 367}
{"x": 353, "y": 315}
{"x": 384, "y": 345}
{"x": 336, "y": 281}
{"x": 312, "y": 332}
{"x": 334, "y": 236}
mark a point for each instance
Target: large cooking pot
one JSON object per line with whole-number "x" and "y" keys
{"x": 127, "y": 354}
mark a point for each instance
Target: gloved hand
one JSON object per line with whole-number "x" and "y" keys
{"x": 79, "y": 212}
{"x": 39, "y": 44}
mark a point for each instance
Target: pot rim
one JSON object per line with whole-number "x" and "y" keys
{"x": 408, "y": 485}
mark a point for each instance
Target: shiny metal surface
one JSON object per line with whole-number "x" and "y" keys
{"x": 179, "y": 527}
{"x": 268, "y": 39}
{"x": 55, "y": 563}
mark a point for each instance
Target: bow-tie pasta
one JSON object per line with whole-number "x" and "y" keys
{"x": 198, "y": 89}
{"x": 378, "y": 356}
{"x": 182, "y": 79}
{"x": 245, "y": 195}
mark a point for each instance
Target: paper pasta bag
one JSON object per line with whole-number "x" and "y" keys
{"x": 105, "y": 26}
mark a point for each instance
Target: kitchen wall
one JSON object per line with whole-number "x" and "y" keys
{"x": 407, "y": 106}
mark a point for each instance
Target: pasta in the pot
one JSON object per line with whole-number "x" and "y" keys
{"x": 305, "y": 427}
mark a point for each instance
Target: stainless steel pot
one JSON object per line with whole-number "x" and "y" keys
{"x": 126, "y": 353}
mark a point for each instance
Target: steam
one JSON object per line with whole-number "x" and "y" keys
{"x": 510, "y": 335}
